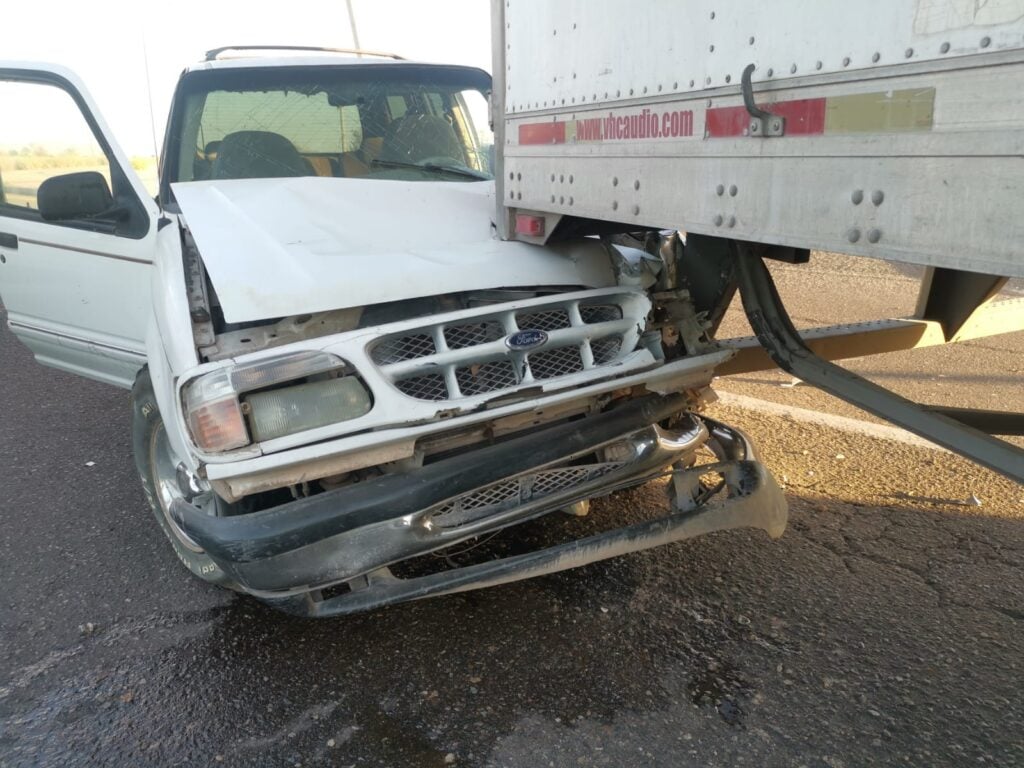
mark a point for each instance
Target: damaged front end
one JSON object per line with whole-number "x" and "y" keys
{"x": 349, "y": 445}
{"x": 296, "y": 555}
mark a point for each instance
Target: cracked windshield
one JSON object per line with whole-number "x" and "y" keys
{"x": 422, "y": 123}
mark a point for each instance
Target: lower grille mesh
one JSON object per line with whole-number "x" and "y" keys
{"x": 508, "y": 494}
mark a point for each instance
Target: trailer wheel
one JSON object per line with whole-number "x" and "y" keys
{"x": 157, "y": 466}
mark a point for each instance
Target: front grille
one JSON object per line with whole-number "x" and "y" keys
{"x": 486, "y": 377}
{"x": 399, "y": 348}
{"x": 600, "y": 313}
{"x": 544, "y": 321}
{"x": 508, "y": 494}
{"x": 473, "y": 360}
{"x": 473, "y": 334}
{"x": 552, "y": 363}
{"x": 428, "y": 387}
{"x": 605, "y": 350}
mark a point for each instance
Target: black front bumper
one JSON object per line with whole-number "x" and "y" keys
{"x": 288, "y": 553}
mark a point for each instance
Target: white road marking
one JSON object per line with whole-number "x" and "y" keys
{"x": 867, "y": 428}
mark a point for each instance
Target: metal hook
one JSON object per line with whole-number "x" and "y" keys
{"x": 762, "y": 122}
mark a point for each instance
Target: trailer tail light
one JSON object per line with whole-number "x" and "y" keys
{"x": 529, "y": 225}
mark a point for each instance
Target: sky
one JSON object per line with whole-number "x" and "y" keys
{"x": 108, "y": 42}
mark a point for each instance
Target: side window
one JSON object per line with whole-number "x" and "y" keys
{"x": 42, "y": 135}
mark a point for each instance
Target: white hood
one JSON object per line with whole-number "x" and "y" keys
{"x": 281, "y": 247}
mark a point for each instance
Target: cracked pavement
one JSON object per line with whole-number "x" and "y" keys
{"x": 884, "y": 627}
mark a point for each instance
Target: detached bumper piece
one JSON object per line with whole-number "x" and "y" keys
{"x": 290, "y": 554}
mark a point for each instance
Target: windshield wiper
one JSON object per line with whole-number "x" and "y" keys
{"x": 466, "y": 173}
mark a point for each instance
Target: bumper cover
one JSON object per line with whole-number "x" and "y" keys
{"x": 286, "y": 554}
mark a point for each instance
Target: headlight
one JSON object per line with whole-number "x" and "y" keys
{"x": 217, "y": 405}
{"x": 285, "y": 411}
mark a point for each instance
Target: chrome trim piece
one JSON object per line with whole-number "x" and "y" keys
{"x": 13, "y": 324}
{"x": 104, "y": 254}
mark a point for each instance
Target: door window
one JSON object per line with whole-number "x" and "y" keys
{"x": 54, "y": 169}
{"x": 42, "y": 134}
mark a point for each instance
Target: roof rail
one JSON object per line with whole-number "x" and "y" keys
{"x": 214, "y": 54}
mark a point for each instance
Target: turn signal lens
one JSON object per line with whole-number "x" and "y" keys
{"x": 218, "y": 426}
{"x": 213, "y": 413}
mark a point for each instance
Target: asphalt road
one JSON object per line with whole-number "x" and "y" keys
{"x": 884, "y": 628}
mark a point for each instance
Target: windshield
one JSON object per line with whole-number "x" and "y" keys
{"x": 392, "y": 121}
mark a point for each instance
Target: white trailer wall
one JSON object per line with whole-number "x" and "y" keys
{"x": 904, "y": 134}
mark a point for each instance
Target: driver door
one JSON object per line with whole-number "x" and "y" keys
{"x": 77, "y": 229}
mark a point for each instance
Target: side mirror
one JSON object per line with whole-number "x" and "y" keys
{"x": 81, "y": 195}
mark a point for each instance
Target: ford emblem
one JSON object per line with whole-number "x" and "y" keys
{"x": 525, "y": 340}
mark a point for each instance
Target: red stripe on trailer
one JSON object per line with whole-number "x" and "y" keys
{"x": 542, "y": 133}
{"x": 804, "y": 117}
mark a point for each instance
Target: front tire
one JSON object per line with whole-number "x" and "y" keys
{"x": 156, "y": 465}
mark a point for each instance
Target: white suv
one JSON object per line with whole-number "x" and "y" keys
{"x": 336, "y": 366}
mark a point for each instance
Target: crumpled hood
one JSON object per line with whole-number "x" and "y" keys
{"x": 281, "y": 247}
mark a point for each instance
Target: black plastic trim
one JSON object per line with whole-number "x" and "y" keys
{"x": 259, "y": 535}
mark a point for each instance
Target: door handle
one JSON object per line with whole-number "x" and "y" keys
{"x": 7, "y": 240}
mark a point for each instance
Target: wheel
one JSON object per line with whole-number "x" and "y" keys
{"x": 158, "y": 469}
